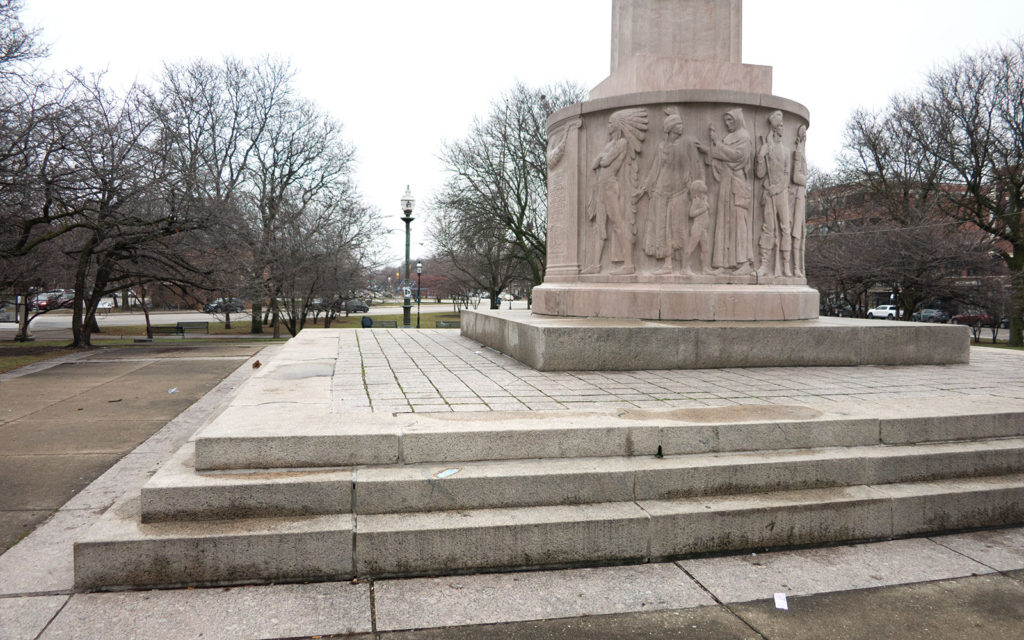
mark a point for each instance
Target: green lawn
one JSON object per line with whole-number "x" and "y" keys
{"x": 19, "y": 354}
{"x": 355, "y": 320}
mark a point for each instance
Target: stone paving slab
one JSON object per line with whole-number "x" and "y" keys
{"x": 1000, "y": 549}
{"x": 23, "y": 618}
{"x": 756, "y": 576}
{"x": 250, "y": 613}
{"x": 701, "y": 623}
{"x": 398, "y": 371}
{"x": 979, "y": 607}
{"x": 490, "y": 598}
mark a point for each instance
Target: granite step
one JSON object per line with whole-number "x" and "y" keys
{"x": 120, "y": 552}
{"x": 407, "y": 544}
{"x": 241, "y": 439}
{"x": 177, "y": 492}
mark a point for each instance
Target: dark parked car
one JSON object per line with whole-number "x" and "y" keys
{"x": 930, "y": 315}
{"x": 224, "y": 305}
{"x": 356, "y": 306}
{"x": 974, "y": 319}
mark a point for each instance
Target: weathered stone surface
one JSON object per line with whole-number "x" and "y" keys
{"x": 701, "y": 525}
{"x": 424, "y": 543}
{"x": 590, "y": 344}
{"x": 177, "y": 492}
{"x": 119, "y": 551}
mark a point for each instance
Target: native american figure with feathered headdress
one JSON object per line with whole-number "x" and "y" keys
{"x": 616, "y": 170}
{"x": 676, "y": 165}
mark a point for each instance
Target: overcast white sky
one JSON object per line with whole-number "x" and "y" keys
{"x": 405, "y": 75}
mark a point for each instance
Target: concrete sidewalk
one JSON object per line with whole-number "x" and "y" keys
{"x": 957, "y": 586}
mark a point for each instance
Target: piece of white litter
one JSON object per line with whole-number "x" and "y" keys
{"x": 780, "y": 601}
{"x": 478, "y": 352}
{"x": 173, "y": 390}
{"x": 447, "y": 473}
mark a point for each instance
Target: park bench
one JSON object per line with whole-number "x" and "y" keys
{"x": 167, "y": 330}
{"x": 447, "y": 324}
{"x": 386, "y": 324}
{"x": 194, "y": 326}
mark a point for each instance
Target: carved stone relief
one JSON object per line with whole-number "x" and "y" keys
{"x": 730, "y": 159}
{"x": 773, "y": 169}
{"x": 676, "y": 165}
{"x": 559, "y": 216}
{"x": 799, "y": 189}
{"x": 709, "y": 207}
{"x": 700, "y": 226}
{"x": 611, "y": 213}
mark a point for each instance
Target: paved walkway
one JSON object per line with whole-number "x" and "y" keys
{"x": 438, "y": 370}
{"x": 968, "y": 585}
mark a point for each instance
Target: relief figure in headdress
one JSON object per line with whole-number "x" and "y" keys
{"x": 615, "y": 169}
{"x": 676, "y": 165}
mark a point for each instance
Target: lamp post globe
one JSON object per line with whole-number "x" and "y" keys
{"x": 407, "y": 204}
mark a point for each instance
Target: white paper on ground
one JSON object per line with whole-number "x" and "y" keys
{"x": 780, "y": 601}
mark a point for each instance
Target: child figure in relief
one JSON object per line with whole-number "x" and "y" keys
{"x": 700, "y": 231}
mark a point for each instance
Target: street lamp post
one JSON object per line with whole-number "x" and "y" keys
{"x": 407, "y": 204}
{"x": 419, "y": 283}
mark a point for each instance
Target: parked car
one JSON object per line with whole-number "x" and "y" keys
{"x": 224, "y": 305}
{"x": 930, "y": 315}
{"x": 356, "y": 306}
{"x": 50, "y": 300}
{"x": 974, "y": 319}
{"x": 887, "y": 311}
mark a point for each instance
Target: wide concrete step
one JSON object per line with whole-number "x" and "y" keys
{"x": 122, "y": 553}
{"x": 455, "y": 541}
{"x": 252, "y": 437}
{"x": 177, "y": 492}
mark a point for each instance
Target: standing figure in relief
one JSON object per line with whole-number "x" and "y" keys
{"x": 615, "y": 165}
{"x": 700, "y": 232}
{"x": 799, "y": 201}
{"x": 773, "y": 164}
{"x": 730, "y": 160}
{"x": 675, "y": 166}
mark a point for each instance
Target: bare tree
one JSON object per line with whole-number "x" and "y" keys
{"x": 498, "y": 183}
{"x": 967, "y": 127}
{"x": 273, "y": 172}
{"x": 18, "y": 45}
{"x": 484, "y": 257}
{"x": 94, "y": 190}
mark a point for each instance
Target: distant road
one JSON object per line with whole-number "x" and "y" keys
{"x": 62, "y": 319}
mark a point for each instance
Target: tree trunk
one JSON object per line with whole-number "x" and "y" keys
{"x": 1016, "y": 264}
{"x": 79, "y": 332}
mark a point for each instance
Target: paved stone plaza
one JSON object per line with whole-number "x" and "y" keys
{"x": 951, "y": 584}
{"x": 437, "y": 370}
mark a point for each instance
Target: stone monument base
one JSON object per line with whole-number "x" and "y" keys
{"x": 677, "y": 301}
{"x": 591, "y": 344}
